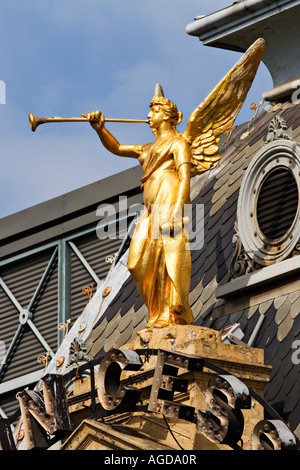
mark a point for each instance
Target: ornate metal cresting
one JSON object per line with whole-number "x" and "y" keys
{"x": 159, "y": 254}
{"x": 88, "y": 290}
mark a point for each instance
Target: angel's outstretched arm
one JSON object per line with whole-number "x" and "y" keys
{"x": 97, "y": 121}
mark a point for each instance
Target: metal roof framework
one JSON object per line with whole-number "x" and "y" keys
{"x": 60, "y": 252}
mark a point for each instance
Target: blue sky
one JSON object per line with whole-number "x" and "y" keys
{"x": 67, "y": 57}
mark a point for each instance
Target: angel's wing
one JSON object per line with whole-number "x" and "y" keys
{"x": 217, "y": 113}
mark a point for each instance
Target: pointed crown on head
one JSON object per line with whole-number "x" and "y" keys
{"x": 170, "y": 108}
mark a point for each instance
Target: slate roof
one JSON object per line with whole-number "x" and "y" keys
{"x": 218, "y": 190}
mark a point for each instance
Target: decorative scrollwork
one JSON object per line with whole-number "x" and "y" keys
{"x": 44, "y": 359}
{"x": 241, "y": 263}
{"x": 88, "y": 290}
{"x": 64, "y": 326}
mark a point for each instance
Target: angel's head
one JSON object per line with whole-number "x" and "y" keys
{"x": 162, "y": 109}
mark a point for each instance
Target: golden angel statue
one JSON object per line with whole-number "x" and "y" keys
{"x": 161, "y": 264}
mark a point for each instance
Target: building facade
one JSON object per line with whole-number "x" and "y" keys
{"x": 235, "y": 372}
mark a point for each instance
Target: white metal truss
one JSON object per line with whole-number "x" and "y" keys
{"x": 60, "y": 257}
{"x": 26, "y": 314}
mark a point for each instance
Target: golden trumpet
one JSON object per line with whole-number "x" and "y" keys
{"x": 35, "y": 121}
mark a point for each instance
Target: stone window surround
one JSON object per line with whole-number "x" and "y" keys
{"x": 281, "y": 153}
{"x": 280, "y": 274}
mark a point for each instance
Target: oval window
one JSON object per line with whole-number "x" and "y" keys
{"x": 268, "y": 213}
{"x": 277, "y": 204}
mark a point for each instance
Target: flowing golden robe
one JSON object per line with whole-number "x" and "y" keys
{"x": 161, "y": 264}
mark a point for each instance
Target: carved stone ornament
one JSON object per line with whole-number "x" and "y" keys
{"x": 77, "y": 352}
{"x": 276, "y": 130}
{"x": 241, "y": 263}
{"x": 263, "y": 236}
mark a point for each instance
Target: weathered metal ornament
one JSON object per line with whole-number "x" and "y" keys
{"x": 21, "y": 435}
{"x": 60, "y": 361}
{"x": 106, "y": 291}
{"x": 245, "y": 135}
{"x": 82, "y": 326}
